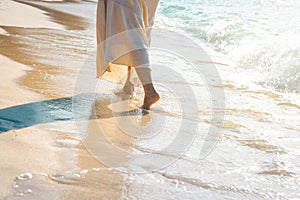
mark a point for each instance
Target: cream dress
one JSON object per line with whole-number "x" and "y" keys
{"x": 123, "y": 33}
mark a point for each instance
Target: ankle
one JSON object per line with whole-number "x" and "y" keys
{"x": 149, "y": 89}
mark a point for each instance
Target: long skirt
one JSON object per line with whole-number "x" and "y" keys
{"x": 123, "y": 33}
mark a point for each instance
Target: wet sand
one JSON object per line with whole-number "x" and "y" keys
{"x": 27, "y": 79}
{"x": 41, "y": 151}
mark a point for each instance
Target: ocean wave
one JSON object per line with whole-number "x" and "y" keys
{"x": 278, "y": 58}
{"x": 257, "y": 35}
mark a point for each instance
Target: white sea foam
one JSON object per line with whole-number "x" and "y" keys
{"x": 256, "y": 35}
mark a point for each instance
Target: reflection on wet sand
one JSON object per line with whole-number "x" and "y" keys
{"x": 31, "y": 47}
{"x": 45, "y": 50}
{"x": 91, "y": 179}
{"x": 101, "y": 130}
{"x": 94, "y": 178}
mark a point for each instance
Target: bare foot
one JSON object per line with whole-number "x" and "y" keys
{"x": 150, "y": 99}
{"x": 126, "y": 91}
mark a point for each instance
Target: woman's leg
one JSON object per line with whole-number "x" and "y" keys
{"x": 151, "y": 96}
{"x": 128, "y": 87}
{"x": 128, "y": 84}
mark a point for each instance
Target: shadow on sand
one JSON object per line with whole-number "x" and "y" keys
{"x": 80, "y": 107}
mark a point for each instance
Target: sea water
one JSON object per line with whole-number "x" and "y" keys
{"x": 257, "y": 43}
{"x": 256, "y": 35}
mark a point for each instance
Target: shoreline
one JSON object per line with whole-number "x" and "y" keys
{"x": 40, "y": 66}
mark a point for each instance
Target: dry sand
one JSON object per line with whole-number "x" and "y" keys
{"x": 16, "y": 14}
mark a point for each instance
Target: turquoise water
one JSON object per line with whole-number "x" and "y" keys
{"x": 259, "y": 35}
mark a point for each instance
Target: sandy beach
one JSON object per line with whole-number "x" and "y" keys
{"x": 51, "y": 104}
{"x": 36, "y": 150}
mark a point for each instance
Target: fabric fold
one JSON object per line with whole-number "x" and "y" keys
{"x": 123, "y": 33}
